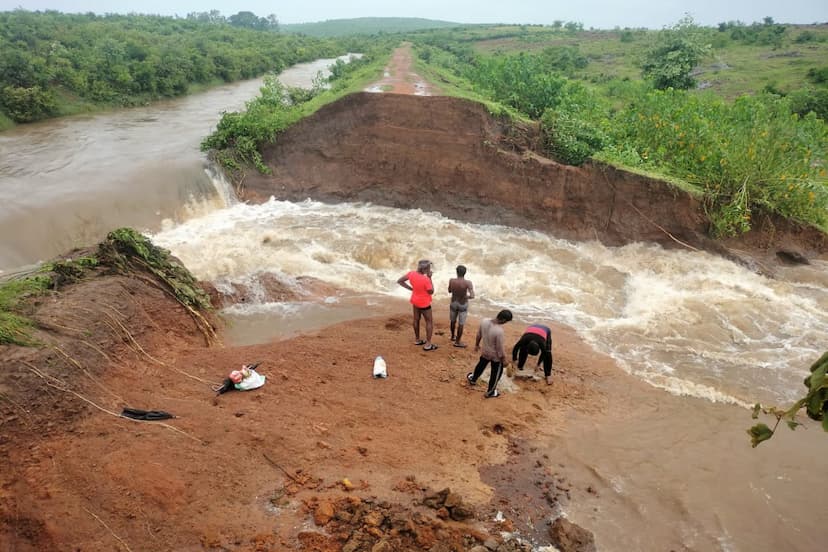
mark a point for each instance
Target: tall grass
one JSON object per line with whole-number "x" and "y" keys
{"x": 752, "y": 153}
{"x": 14, "y": 327}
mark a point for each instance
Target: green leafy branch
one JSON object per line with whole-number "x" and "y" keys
{"x": 815, "y": 403}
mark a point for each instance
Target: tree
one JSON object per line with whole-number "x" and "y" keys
{"x": 675, "y": 53}
{"x": 574, "y": 26}
{"x": 273, "y": 22}
{"x": 248, "y": 20}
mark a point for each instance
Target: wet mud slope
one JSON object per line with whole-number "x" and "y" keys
{"x": 322, "y": 458}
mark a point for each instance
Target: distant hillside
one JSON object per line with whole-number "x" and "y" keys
{"x": 365, "y": 25}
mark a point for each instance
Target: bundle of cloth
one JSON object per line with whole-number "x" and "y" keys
{"x": 242, "y": 380}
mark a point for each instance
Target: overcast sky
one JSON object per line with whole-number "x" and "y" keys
{"x": 603, "y": 14}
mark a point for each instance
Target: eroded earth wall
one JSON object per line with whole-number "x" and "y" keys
{"x": 451, "y": 156}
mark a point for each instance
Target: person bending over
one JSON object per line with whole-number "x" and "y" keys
{"x": 490, "y": 333}
{"x": 419, "y": 283}
{"x": 461, "y": 291}
{"x": 536, "y": 340}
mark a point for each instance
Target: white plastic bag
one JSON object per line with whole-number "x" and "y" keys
{"x": 380, "y": 370}
{"x": 253, "y": 381}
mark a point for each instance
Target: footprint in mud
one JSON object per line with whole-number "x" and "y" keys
{"x": 394, "y": 323}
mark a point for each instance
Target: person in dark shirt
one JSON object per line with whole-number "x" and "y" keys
{"x": 536, "y": 340}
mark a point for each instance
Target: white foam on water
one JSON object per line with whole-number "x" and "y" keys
{"x": 224, "y": 188}
{"x": 270, "y": 308}
{"x": 687, "y": 322}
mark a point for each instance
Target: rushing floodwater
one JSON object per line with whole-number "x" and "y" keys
{"x": 66, "y": 183}
{"x": 687, "y": 322}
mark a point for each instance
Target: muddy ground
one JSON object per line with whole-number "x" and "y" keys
{"x": 324, "y": 457}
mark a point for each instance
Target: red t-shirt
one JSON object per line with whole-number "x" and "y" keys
{"x": 420, "y": 287}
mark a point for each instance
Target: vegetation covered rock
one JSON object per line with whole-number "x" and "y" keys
{"x": 126, "y": 249}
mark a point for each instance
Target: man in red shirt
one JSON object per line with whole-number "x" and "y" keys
{"x": 419, "y": 284}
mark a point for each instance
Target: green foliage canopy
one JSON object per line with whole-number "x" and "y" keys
{"x": 53, "y": 63}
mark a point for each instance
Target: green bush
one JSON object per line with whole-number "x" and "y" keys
{"x": 236, "y": 143}
{"x": 626, "y": 36}
{"x": 24, "y": 105}
{"x": 572, "y": 130}
{"x": 806, "y": 36}
{"x": 808, "y": 100}
{"x": 568, "y": 138}
{"x": 526, "y": 82}
{"x": 751, "y": 154}
{"x": 239, "y": 134}
{"x": 818, "y": 75}
{"x": 566, "y": 59}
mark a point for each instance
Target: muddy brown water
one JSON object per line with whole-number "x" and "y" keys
{"x": 65, "y": 183}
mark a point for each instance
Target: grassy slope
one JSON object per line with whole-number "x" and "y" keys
{"x": 731, "y": 70}
{"x": 365, "y": 25}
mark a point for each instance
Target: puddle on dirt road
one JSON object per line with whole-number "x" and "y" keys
{"x": 249, "y": 324}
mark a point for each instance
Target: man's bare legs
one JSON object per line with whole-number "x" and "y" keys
{"x": 416, "y": 313}
{"x": 429, "y": 328}
{"x": 429, "y": 323}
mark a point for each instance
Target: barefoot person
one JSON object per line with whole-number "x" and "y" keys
{"x": 535, "y": 340}
{"x": 490, "y": 333}
{"x": 461, "y": 291}
{"x": 418, "y": 282}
